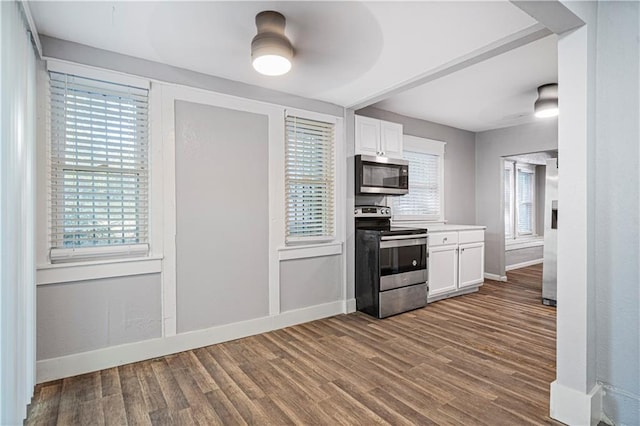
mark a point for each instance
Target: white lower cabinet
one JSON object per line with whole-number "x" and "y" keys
{"x": 443, "y": 269}
{"x": 456, "y": 263}
{"x": 470, "y": 264}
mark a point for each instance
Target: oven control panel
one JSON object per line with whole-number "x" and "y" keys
{"x": 372, "y": 211}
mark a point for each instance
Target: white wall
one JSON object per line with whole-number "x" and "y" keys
{"x": 490, "y": 147}
{"x": 617, "y": 209}
{"x": 17, "y": 211}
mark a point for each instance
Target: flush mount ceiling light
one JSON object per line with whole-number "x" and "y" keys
{"x": 547, "y": 103}
{"x": 271, "y": 51}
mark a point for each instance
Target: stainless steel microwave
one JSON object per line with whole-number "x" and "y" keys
{"x": 381, "y": 175}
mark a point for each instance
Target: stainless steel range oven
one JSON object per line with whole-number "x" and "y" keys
{"x": 391, "y": 264}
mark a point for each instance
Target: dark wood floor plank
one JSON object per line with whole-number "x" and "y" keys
{"x": 44, "y": 409}
{"x": 150, "y": 387}
{"x": 486, "y": 358}
{"x": 71, "y": 395}
{"x": 201, "y": 411}
{"x": 114, "y": 410}
{"x": 135, "y": 407}
{"x": 169, "y": 388}
{"x": 91, "y": 413}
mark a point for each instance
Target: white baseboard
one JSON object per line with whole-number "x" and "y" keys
{"x": 351, "y": 306}
{"x": 86, "y": 362}
{"x": 494, "y": 277}
{"x": 523, "y": 264}
{"x": 573, "y": 407}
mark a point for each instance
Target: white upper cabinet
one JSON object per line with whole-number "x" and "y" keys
{"x": 378, "y": 137}
{"x": 391, "y": 139}
{"x": 367, "y": 135}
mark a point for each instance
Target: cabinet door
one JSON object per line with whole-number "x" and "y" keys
{"x": 443, "y": 269}
{"x": 367, "y": 136}
{"x": 471, "y": 264}
{"x": 391, "y": 139}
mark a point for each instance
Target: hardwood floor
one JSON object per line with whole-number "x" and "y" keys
{"x": 484, "y": 358}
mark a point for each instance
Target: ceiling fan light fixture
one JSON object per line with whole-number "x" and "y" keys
{"x": 271, "y": 50}
{"x": 547, "y": 103}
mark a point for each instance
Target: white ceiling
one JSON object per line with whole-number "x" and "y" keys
{"x": 345, "y": 51}
{"x": 498, "y": 92}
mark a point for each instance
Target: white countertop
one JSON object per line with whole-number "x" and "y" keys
{"x": 451, "y": 228}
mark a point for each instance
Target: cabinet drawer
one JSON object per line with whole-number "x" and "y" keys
{"x": 402, "y": 299}
{"x": 443, "y": 238}
{"x": 476, "y": 236}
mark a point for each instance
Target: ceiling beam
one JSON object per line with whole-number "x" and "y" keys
{"x": 513, "y": 41}
{"x": 553, "y": 14}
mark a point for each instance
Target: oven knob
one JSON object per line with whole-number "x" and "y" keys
{"x": 355, "y": 211}
{"x": 387, "y": 211}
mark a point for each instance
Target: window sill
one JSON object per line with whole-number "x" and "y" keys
{"x": 310, "y": 250}
{"x": 523, "y": 243}
{"x": 97, "y": 269}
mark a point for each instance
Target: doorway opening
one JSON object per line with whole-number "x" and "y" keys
{"x": 529, "y": 195}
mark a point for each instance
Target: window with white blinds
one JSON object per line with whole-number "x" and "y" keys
{"x": 423, "y": 202}
{"x": 519, "y": 199}
{"x": 99, "y": 164}
{"x": 525, "y": 192}
{"x": 309, "y": 179}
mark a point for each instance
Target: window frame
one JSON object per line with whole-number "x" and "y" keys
{"x": 515, "y": 210}
{"x": 107, "y": 252}
{"x": 512, "y": 215}
{"x": 297, "y": 241}
{"x": 430, "y": 147}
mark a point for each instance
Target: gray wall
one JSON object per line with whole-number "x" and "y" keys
{"x": 513, "y": 257}
{"x": 490, "y": 147}
{"x": 82, "y": 316}
{"x": 617, "y": 217}
{"x": 83, "y": 54}
{"x": 459, "y": 161}
{"x": 222, "y": 220}
{"x": 311, "y": 281}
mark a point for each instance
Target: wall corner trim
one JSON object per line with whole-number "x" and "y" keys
{"x": 350, "y": 306}
{"x": 573, "y": 407}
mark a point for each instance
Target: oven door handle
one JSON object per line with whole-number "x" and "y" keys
{"x": 403, "y": 237}
{"x": 403, "y": 243}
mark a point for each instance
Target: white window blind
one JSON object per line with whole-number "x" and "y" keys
{"x": 99, "y": 164}
{"x": 525, "y": 192}
{"x": 423, "y": 202}
{"x": 309, "y": 179}
{"x": 508, "y": 199}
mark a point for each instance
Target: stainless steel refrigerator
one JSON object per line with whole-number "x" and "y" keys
{"x": 550, "y": 254}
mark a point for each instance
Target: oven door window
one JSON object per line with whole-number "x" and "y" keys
{"x": 399, "y": 256}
